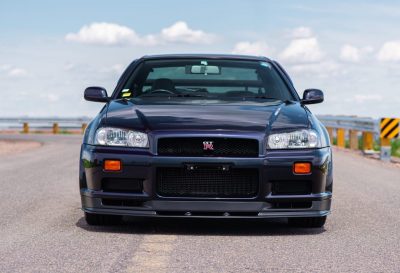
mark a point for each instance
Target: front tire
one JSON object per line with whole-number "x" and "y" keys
{"x": 308, "y": 222}
{"x": 102, "y": 220}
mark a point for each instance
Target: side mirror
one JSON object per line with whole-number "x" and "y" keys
{"x": 97, "y": 94}
{"x": 312, "y": 96}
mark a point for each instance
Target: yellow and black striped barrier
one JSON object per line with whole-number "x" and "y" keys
{"x": 389, "y": 128}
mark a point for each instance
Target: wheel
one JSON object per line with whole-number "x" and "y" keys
{"x": 102, "y": 219}
{"x": 308, "y": 222}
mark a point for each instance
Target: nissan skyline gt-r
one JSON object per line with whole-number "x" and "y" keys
{"x": 208, "y": 136}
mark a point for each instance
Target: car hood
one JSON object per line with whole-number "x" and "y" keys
{"x": 152, "y": 115}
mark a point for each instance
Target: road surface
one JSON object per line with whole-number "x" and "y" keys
{"x": 42, "y": 229}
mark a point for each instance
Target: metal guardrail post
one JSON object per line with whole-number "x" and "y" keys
{"x": 368, "y": 141}
{"x": 25, "y": 129}
{"x": 341, "y": 137}
{"x": 84, "y": 126}
{"x": 56, "y": 129}
{"x": 386, "y": 149}
{"x": 354, "y": 139}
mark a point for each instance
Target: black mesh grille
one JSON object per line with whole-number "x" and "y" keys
{"x": 226, "y": 147}
{"x": 180, "y": 182}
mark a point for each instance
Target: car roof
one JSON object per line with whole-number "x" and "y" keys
{"x": 205, "y": 56}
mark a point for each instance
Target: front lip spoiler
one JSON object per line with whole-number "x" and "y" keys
{"x": 306, "y": 197}
{"x": 114, "y": 195}
{"x": 207, "y": 209}
{"x": 260, "y": 215}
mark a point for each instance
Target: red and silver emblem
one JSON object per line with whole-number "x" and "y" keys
{"x": 208, "y": 145}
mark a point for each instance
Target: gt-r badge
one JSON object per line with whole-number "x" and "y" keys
{"x": 208, "y": 145}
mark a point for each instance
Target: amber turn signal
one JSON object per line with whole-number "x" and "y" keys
{"x": 112, "y": 165}
{"x": 302, "y": 168}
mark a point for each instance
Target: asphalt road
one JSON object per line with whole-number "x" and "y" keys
{"x": 42, "y": 229}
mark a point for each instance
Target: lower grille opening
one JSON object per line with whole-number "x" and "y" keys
{"x": 122, "y": 185}
{"x": 207, "y": 182}
{"x": 121, "y": 202}
{"x": 291, "y": 187}
{"x": 292, "y": 205}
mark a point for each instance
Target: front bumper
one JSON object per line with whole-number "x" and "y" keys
{"x": 274, "y": 166}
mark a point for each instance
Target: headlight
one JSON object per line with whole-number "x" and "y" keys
{"x": 121, "y": 137}
{"x": 294, "y": 140}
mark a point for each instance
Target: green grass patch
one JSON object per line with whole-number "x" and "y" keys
{"x": 396, "y": 147}
{"x": 65, "y": 132}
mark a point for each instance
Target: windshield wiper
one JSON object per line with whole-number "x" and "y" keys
{"x": 261, "y": 97}
{"x": 190, "y": 95}
{"x": 172, "y": 95}
{"x": 286, "y": 101}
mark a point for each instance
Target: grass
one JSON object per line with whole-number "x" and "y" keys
{"x": 65, "y": 132}
{"x": 396, "y": 147}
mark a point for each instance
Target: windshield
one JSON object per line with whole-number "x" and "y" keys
{"x": 211, "y": 79}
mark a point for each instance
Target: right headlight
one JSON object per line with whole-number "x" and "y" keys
{"x": 294, "y": 140}
{"x": 109, "y": 136}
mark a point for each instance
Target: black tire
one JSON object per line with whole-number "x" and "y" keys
{"x": 308, "y": 222}
{"x": 102, "y": 219}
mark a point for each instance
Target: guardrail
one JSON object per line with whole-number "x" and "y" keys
{"x": 55, "y": 125}
{"x": 369, "y": 129}
{"x": 367, "y": 126}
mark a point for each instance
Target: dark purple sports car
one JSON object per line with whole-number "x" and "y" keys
{"x": 211, "y": 136}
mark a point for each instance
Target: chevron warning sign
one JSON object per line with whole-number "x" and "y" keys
{"x": 390, "y": 128}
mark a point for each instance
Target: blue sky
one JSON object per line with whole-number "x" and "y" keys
{"x": 51, "y": 50}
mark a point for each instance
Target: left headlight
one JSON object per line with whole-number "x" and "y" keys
{"x": 121, "y": 137}
{"x": 294, "y": 140}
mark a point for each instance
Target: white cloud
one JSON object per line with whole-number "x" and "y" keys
{"x": 302, "y": 32}
{"x": 51, "y": 97}
{"x": 251, "y": 48}
{"x": 181, "y": 33}
{"x": 302, "y": 50}
{"x": 111, "y": 34}
{"x": 116, "y": 68}
{"x": 350, "y": 53}
{"x": 12, "y": 71}
{"x": 103, "y": 34}
{"x": 17, "y": 72}
{"x": 69, "y": 66}
{"x": 361, "y": 98}
{"x": 389, "y": 52}
{"x": 321, "y": 69}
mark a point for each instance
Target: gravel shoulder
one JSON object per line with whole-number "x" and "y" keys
{"x": 8, "y": 147}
